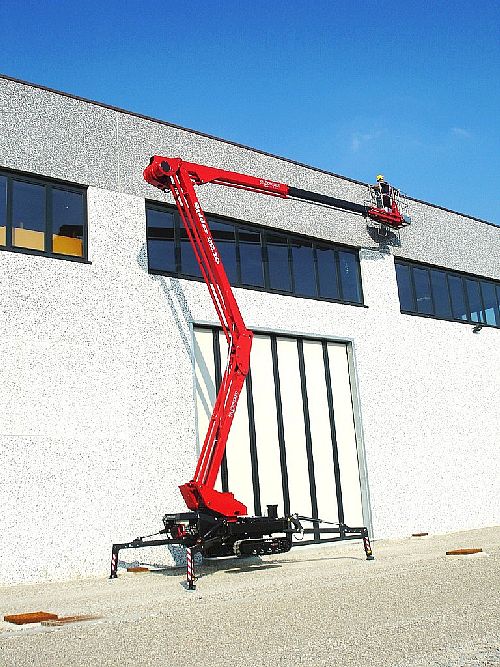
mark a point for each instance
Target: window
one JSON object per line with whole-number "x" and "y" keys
{"x": 441, "y": 293}
{"x": 161, "y": 240}
{"x": 423, "y": 294}
{"x": 3, "y": 210}
{"x": 491, "y": 299}
{"x": 327, "y": 273}
{"x": 42, "y": 217}
{"x": 278, "y": 263}
{"x": 251, "y": 265}
{"x": 458, "y": 308}
{"x": 447, "y": 295}
{"x": 223, "y": 235}
{"x": 256, "y": 258}
{"x": 350, "y": 282}
{"x": 304, "y": 270}
{"x": 405, "y": 289}
{"x": 475, "y": 310}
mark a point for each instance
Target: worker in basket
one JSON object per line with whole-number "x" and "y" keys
{"x": 383, "y": 193}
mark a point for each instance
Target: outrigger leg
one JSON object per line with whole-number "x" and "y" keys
{"x": 367, "y": 546}
{"x": 190, "y": 571}
{"x": 138, "y": 543}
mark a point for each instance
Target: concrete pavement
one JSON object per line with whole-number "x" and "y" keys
{"x": 412, "y": 606}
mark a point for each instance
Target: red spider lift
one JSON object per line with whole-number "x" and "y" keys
{"x": 217, "y": 523}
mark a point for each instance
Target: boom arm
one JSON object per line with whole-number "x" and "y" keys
{"x": 179, "y": 178}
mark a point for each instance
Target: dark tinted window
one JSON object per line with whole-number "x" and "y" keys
{"x": 251, "y": 258}
{"x": 405, "y": 290}
{"x": 223, "y": 235}
{"x": 447, "y": 294}
{"x": 422, "y": 290}
{"x": 458, "y": 308}
{"x": 67, "y": 222}
{"x": 474, "y": 298}
{"x": 47, "y": 217}
{"x": 304, "y": 272}
{"x": 28, "y": 215}
{"x": 161, "y": 240}
{"x": 440, "y": 293}
{"x": 3, "y": 210}
{"x": 349, "y": 276}
{"x": 327, "y": 273}
{"x": 491, "y": 309}
{"x": 278, "y": 263}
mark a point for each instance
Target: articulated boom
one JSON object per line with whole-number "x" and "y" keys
{"x": 179, "y": 178}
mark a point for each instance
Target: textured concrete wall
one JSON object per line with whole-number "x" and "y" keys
{"x": 89, "y": 144}
{"x": 98, "y": 423}
{"x": 92, "y": 361}
{"x": 430, "y": 410}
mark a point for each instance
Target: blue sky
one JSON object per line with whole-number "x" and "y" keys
{"x": 409, "y": 89}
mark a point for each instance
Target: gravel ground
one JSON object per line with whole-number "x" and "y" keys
{"x": 413, "y": 606}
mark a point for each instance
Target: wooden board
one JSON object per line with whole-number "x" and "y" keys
{"x": 137, "y": 569}
{"x": 31, "y": 617}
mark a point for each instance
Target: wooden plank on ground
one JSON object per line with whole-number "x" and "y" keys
{"x": 138, "y": 569}
{"x": 31, "y": 617}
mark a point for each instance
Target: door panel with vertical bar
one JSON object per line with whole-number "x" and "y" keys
{"x": 237, "y": 463}
{"x": 293, "y": 441}
{"x": 346, "y": 436}
{"x": 293, "y": 426}
{"x": 321, "y": 431}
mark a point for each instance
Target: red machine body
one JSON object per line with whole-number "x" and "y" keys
{"x": 179, "y": 177}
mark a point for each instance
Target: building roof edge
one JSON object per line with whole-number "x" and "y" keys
{"x": 226, "y": 141}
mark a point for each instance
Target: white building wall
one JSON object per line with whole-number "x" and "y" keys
{"x": 92, "y": 364}
{"x": 98, "y": 424}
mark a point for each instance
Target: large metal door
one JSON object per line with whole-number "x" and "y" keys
{"x": 293, "y": 440}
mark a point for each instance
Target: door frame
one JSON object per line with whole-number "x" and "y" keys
{"x": 355, "y": 398}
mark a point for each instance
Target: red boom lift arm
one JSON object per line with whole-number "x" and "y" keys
{"x": 179, "y": 177}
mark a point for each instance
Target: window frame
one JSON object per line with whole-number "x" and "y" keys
{"x": 264, "y": 231}
{"x": 49, "y": 184}
{"x": 449, "y": 273}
